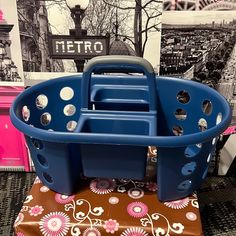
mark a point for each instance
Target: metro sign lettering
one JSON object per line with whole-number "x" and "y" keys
{"x": 76, "y": 46}
{"x": 66, "y": 47}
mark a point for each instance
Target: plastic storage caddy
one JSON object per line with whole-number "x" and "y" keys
{"x": 101, "y": 126}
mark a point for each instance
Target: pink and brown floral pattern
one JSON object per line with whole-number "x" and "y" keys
{"x": 102, "y": 185}
{"x": 91, "y": 232}
{"x": 36, "y": 210}
{"x": 54, "y": 224}
{"x": 134, "y": 231}
{"x": 136, "y": 193}
{"x": 44, "y": 189}
{"x": 63, "y": 199}
{"x": 191, "y": 216}
{"x": 137, "y": 209}
{"x": 100, "y": 208}
{"x": 28, "y": 199}
{"x": 178, "y": 204}
{"x": 19, "y": 234}
{"x": 19, "y": 219}
{"x": 113, "y": 200}
{"x": 111, "y": 226}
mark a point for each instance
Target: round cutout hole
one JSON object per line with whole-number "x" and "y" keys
{"x": 180, "y": 114}
{"x": 37, "y": 143}
{"x": 41, "y": 101}
{"x": 184, "y": 186}
{"x": 42, "y": 160}
{"x": 183, "y": 97}
{"x": 177, "y": 130}
{"x": 202, "y": 124}
{"x": 192, "y": 150}
{"x": 199, "y": 145}
{"x": 189, "y": 168}
{"x": 71, "y": 125}
{"x": 45, "y": 118}
{"x": 66, "y": 93}
{"x": 69, "y": 110}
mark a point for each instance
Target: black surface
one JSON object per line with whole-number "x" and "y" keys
{"x": 13, "y": 190}
{"x": 217, "y": 200}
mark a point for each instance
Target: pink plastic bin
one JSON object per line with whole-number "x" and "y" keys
{"x": 13, "y": 149}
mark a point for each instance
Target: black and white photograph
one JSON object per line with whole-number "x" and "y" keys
{"x": 11, "y": 71}
{"x": 199, "y": 5}
{"x": 201, "y": 48}
{"x": 60, "y": 36}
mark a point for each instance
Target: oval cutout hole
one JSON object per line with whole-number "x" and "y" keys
{"x": 48, "y": 177}
{"x": 207, "y": 107}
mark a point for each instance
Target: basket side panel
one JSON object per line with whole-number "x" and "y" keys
{"x": 182, "y": 170}
{"x": 58, "y": 165}
{"x": 114, "y": 161}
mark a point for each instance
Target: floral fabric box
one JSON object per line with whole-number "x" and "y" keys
{"x": 108, "y": 207}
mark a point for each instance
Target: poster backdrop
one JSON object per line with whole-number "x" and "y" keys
{"x": 134, "y": 28}
{"x": 10, "y": 58}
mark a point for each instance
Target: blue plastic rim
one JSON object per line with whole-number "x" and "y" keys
{"x": 190, "y": 118}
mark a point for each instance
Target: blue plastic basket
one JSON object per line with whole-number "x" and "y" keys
{"x": 101, "y": 126}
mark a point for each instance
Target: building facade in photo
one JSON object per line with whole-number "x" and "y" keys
{"x": 34, "y": 34}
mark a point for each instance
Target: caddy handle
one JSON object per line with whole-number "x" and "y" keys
{"x": 119, "y": 63}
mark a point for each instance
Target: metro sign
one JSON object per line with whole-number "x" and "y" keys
{"x": 85, "y": 47}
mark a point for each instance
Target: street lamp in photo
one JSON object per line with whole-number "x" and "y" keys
{"x": 77, "y": 9}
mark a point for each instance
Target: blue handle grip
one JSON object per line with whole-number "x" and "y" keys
{"x": 119, "y": 64}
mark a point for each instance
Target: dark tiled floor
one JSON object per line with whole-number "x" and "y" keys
{"x": 14, "y": 187}
{"x": 217, "y": 200}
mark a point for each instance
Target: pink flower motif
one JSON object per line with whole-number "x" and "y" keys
{"x": 19, "y": 234}
{"x": 137, "y": 209}
{"x": 134, "y": 231}
{"x": 19, "y": 219}
{"x": 36, "y": 210}
{"x": 111, "y": 226}
{"x": 102, "y": 186}
{"x": 63, "y": 199}
{"x": 54, "y": 224}
{"x": 91, "y": 232}
{"x": 151, "y": 186}
{"x": 136, "y": 193}
{"x": 178, "y": 204}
